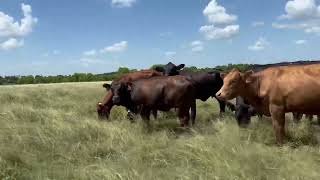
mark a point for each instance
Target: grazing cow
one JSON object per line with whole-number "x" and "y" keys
{"x": 208, "y": 84}
{"x": 104, "y": 107}
{"x": 275, "y": 91}
{"x": 243, "y": 111}
{"x": 157, "y": 93}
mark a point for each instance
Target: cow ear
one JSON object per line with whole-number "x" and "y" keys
{"x": 222, "y": 75}
{"x": 107, "y": 86}
{"x": 247, "y": 76}
{"x": 159, "y": 69}
{"x": 180, "y": 66}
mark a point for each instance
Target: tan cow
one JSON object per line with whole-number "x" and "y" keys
{"x": 277, "y": 90}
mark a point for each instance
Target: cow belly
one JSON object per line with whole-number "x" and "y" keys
{"x": 306, "y": 101}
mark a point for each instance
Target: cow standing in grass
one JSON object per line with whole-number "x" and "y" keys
{"x": 104, "y": 107}
{"x": 275, "y": 91}
{"x": 207, "y": 84}
{"x": 157, "y": 93}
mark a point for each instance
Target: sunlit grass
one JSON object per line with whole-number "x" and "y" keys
{"x": 52, "y": 132}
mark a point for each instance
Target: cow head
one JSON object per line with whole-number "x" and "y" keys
{"x": 121, "y": 92}
{"x": 103, "y": 111}
{"x": 104, "y": 107}
{"x": 243, "y": 115}
{"x": 170, "y": 69}
{"x": 234, "y": 83}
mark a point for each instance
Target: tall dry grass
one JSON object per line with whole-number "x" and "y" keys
{"x": 52, "y": 132}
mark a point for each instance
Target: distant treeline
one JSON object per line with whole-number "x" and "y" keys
{"x": 88, "y": 77}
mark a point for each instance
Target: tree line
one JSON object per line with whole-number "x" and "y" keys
{"x": 89, "y": 77}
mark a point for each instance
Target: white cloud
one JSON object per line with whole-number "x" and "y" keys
{"x": 303, "y": 14}
{"x": 196, "y": 46}
{"x": 170, "y": 54}
{"x": 211, "y": 32}
{"x": 122, "y": 3}
{"x": 92, "y": 52}
{"x": 217, "y": 14}
{"x": 301, "y": 9}
{"x": 220, "y": 23}
{"x": 10, "y": 28}
{"x": 300, "y": 42}
{"x": 313, "y": 30}
{"x": 117, "y": 47}
{"x": 259, "y": 45}
{"x": 257, "y": 24}
{"x": 12, "y": 43}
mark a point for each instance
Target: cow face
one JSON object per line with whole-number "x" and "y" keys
{"x": 243, "y": 115}
{"x": 120, "y": 92}
{"x": 103, "y": 111}
{"x": 170, "y": 69}
{"x": 233, "y": 84}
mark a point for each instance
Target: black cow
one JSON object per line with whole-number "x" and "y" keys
{"x": 208, "y": 84}
{"x": 243, "y": 111}
{"x": 158, "y": 93}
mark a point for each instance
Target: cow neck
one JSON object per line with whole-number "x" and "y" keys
{"x": 252, "y": 91}
{"x": 107, "y": 100}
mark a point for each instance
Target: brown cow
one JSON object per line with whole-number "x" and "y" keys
{"x": 104, "y": 107}
{"x": 275, "y": 91}
{"x": 158, "y": 93}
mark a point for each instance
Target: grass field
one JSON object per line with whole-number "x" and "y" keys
{"x": 52, "y": 132}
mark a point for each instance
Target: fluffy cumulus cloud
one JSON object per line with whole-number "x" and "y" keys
{"x": 259, "y": 45}
{"x": 122, "y": 3}
{"x": 196, "y": 46}
{"x": 217, "y": 14}
{"x": 11, "y": 43}
{"x": 211, "y": 32}
{"x": 302, "y": 15}
{"x": 116, "y": 48}
{"x": 301, "y": 9}
{"x": 221, "y": 24}
{"x": 11, "y": 29}
{"x": 300, "y": 42}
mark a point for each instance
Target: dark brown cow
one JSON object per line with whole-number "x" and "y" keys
{"x": 160, "y": 93}
{"x": 276, "y": 90}
{"x": 104, "y": 107}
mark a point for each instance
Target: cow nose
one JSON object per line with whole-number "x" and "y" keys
{"x": 218, "y": 94}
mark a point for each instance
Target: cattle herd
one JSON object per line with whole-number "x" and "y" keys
{"x": 270, "y": 90}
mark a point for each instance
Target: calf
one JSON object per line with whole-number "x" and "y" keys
{"x": 157, "y": 93}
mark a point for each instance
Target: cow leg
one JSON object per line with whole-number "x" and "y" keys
{"x": 318, "y": 118}
{"x": 155, "y": 114}
{"x": 183, "y": 114}
{"x": 297, "y": 116}
{"x": 278, "y": 122}
{"x": 309, "y": 116}
{"x": 193, "y": 112}
{"x": 222, "y": 105}
{"x": 145, "y": 115}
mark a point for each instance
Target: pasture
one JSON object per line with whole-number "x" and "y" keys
{"x": 52, "y": 132}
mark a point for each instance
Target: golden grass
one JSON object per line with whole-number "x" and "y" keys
{"x": 52, "y": 132}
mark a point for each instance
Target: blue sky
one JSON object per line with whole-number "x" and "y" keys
{"x": 97, "y": 36}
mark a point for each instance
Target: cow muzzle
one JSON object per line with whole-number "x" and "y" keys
{"x": 116, "y": 100}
